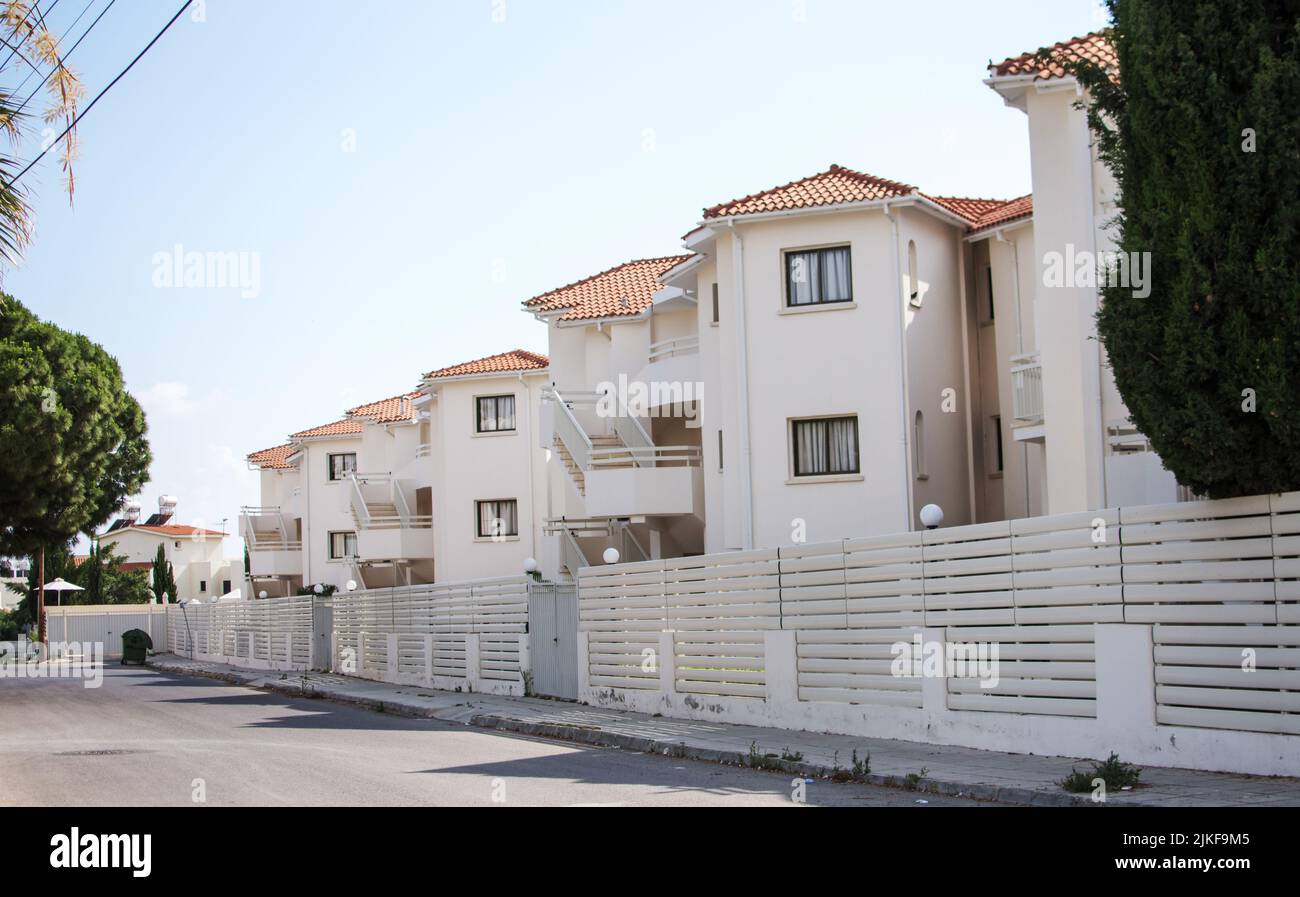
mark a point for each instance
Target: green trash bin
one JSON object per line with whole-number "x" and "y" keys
{"x": 135, "y": 644}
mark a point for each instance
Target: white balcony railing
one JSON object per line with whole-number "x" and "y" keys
{"x": 265, "y": 529}
{"x": 1027, "y": 388}
{"x": 682, "y": 345}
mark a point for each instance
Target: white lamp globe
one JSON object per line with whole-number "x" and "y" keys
{"x": 931, "y": 516}
{"x": 262, "y": 594}
{"x": 610, "y": 556}
{"x": 530, "y": 565}
{"x": 318, "y": 588}
{"x": 352, "y": 585}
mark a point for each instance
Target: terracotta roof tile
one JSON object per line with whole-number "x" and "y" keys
{"x": 274, "y": 458}
{"x": 624, "y": 290}
{"x": 337, "y": 428}
{"x": 982, "y": 213}
{"x": 387, "y": 411}
{"x": 1010, "y": 210}
{"x": 834, "y": 186}
{"x": 1046, "y": 63}
{"x": 173, "y": 529}
{"x": 505, "y": 362}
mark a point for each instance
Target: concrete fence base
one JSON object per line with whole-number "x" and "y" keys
{"x": 1125, "y": 723}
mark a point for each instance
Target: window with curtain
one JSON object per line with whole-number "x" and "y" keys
{"x": 498, "y": 517}
{"x": 496, "y": 413}
{"x": 818, "y": 276}
{"x": 343, "y": 545}
{"x": 825, "y": 446}
{"x": 342, "y": 464}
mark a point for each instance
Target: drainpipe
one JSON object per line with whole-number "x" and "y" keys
{"x": 1095, "y": 349}
{"x": 962, "y": 249}
{"x": 742, "y": 360}
{"x": 909, "y": 499}
{"x": 1020, "y": 344}
{"x": 532, "y": 489}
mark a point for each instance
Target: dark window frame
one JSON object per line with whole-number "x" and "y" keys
{"x": 478, "y": 413}
{"x": 821, "y": 253}
{"x": 826, "y": 421}
{"x": 329, "y": 538}
{"x": 478, "y": 517}
{"x": 715, "y": 303}
{"x": 329, "y": 465}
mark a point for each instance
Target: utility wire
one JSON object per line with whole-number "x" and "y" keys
{"x": 82, "y": 114}
{"x": 66, "y": 32}
{"x": 14, "y": 50}
{"x": 66, "y": 55}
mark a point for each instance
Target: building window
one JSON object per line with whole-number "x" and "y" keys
{"x": 343, "y": 545}
{"x": 720, "y": 455}
{"x": 913, "y": 278}
{"x": 495, "y": 413}
{"x": 715, "y": 303}
{"x": 988, "y": 288}
{"x": 497, "y": 517}
{"x": 818, "y": 276}
{"x": 203, "y": 585}
{"x": 225, "y": 587}
{"x": 341, "y": 465}
{"x": 996, "y": 423}
{"x": 918, "y": 446}
{"x": 825, "y": 446}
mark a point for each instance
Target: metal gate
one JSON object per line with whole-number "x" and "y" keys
{"x": 553, "y": 639}
{"x": 322, "y": 634}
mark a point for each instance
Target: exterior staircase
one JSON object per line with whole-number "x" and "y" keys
{"x": 576, "y": 472}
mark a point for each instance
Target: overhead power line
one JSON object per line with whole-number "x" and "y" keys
{"x": 120, "y": 75}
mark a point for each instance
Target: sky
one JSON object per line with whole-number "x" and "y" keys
{"x": 396, "y": 177}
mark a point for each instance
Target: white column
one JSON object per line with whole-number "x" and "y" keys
{"x": 428, "y": 660}
{"x": 934, "y": 691}
{"x": 584, "y": 666}
{"x": 473, "y": 679}
{"x": 780, "y": 660}
{"x": 667, "y": 661}
{"x": 1126, "y": 679}
{"x": 392, "y": 657}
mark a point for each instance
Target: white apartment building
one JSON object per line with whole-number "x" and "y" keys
{"x": 434, "y": 484}
{"x": 199, "y": 565}
{"x": 833, "y": 354}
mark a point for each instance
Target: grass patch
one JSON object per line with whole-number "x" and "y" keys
{"x": 1113, "y": 771}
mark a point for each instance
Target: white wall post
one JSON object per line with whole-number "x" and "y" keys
{"x": 472, "y": 675}
{"x": 667, "y": 664}
{"x": 780, "y": 660}
{"x": 525, "y": 660}
{"x": 584, "y": 666}
{"x": 934, "y": 691}
{"x": 428, "y": 660}
{"x": 393, "y": 660}
{"x": 1126, "y": 680}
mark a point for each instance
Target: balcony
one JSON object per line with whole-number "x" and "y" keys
{"x": 387, "y": 529}
{"x": 1027, "y": 397}
{"x": 272, "y": 551}
{"x": 618, "y": 471}
{"x": 672, "y": 363}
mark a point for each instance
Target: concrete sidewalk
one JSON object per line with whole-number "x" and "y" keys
{"x": 954, "y": 771}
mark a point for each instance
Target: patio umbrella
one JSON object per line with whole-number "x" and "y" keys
{"x": 62, "y": 585}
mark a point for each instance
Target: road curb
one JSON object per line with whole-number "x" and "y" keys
{"x": 597, "y": 737}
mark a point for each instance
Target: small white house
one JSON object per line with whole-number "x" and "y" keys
{"x": 196, "y": 555}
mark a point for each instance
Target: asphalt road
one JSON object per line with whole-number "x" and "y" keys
{"x": 153, "y": 739}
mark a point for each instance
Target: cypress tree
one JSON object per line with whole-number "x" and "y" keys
{"x": 1201, "y": 131}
